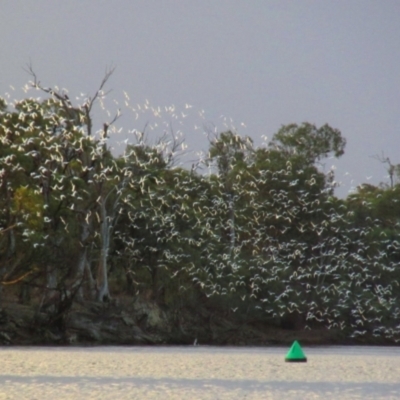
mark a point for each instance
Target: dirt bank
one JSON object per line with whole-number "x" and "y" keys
{"x": 142, "y": 322}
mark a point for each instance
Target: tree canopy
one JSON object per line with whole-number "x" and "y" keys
{"x": 262, "y": 234}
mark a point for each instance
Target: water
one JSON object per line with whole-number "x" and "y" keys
{"x": 198, "y": 373}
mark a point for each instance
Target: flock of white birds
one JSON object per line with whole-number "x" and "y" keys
{"x": 273, "y": 240}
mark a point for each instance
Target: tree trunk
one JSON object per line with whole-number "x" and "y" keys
{"x": 103, "y": 293}
{"x": 50, "y": 295}
{"x": 82, "y": 261}
{"x": 90, "y": 281}
{"x": 11, "y": 239}
{"x": 80, "y": 272}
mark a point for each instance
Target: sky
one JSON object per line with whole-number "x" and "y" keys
{"x": 255, "y": 65}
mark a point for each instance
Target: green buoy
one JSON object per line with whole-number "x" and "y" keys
{"x": 295, "y": 354}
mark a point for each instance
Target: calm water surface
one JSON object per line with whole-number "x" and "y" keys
{"x": 198, "y": 373}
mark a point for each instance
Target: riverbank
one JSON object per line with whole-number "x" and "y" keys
{"x": 145, "y": 323}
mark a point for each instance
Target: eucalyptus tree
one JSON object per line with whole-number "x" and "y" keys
{"x": 28, "y": 179}
{"x": 375, "y": 219}
{"x": 156, "y": 217}
{"x": 229, "y": 154}
{"x": 309, "y": 142}
{"x": 262, "y": 233}
{"x": 79, "y": 182}
{"x": 339, "y": 269}
{"x": 275, "y": 223}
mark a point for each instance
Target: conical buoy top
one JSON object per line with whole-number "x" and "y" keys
{"x": 295, "y": 354}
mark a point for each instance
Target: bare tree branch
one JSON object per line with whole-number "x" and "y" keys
{"x": 91, "y": 100}
{"x": 391, "y": 169}
{"x": 71, "y": 111}
{"x": 7, "y": 229}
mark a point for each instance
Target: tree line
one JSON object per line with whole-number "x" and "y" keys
{"x": 257, "y": 231}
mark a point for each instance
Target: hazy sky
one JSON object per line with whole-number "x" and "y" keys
{"x": 262, "y": 63}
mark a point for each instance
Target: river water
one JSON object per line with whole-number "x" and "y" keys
{"x": 199, "y": 372}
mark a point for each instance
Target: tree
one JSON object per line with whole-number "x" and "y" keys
{"x": 310, "y": 143}
{"x": 392, "y": 169}
{"x": 230, "y": 154}
{"x": 86, "y": 170}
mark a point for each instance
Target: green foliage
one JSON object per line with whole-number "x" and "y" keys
{"x": 309, "y": 142}
{"x": 28, "y": 207}
{"x": 263, "y": 235}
